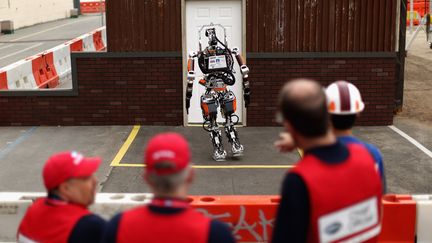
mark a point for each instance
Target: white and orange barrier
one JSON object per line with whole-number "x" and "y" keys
{"x": 399, "y": 219}
{"x": 92, "y": 6}
{"x": 251, "y": 218}
{"x": 92, "y": 41}
{"x": 49, "y": 69}
{"x": 424, "y": 218}
{"x": 18, "y": 75}
{"x": 62, "y": 62}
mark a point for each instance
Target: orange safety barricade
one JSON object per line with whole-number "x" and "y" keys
{"x": 399, "y": 219}
{"x": 76, "y": 45}
{"x": 416, "y": 18}
{"x": 415, "y": 22}
{"x": 251, "y": 217}
{"x": 3, "y": 81}
{"x": 92, "y": 7}
{"x": 44, "y": 71}
{"x": 97, "y": 40}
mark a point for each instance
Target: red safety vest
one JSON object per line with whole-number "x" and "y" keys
{"x": 345, "y": 198}
{"x": 143, "y": 225}
{"x": 50, "y": 220}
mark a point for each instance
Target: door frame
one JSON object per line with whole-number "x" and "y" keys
{"x": 185, "y": 53}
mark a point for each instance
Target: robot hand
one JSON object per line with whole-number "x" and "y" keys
{"x": 187, "y": 105}
{"x": 246, "y": 92}
{"x": 246, "y": 99}
{"x": 189, "y": 94}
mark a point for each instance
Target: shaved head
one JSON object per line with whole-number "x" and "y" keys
{"x": 302, "y": 103}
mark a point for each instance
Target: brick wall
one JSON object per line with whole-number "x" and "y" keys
{"x": 148, "y": 91}
{"x": 111, "y": 91}
{"x": 375, "y": 77}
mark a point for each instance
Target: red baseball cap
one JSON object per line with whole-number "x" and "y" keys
{"x": 170, "y": 148}
{"x": 66, "y": 165}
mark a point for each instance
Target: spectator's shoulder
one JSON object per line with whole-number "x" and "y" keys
{"x": 114, "y": 222}
{"x": 293, "y": 181}
{"x": 89, "y": 228}
{"x": 91, "y": 222}
{"x": 220, "y": 233}
{"x": 110, "y": 234}
{"x": 372, "y": 148}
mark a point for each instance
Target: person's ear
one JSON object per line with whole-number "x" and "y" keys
{"x": 64, "y": 188}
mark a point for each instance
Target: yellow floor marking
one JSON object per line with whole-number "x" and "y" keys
{"x": 125, "y": 147}
{"x": 218, "y": 166}
{"x": 120, "y": 154}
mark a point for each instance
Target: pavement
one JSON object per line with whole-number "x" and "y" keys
{"x": 29, "y": 41}
{"x": 23, "y": 151}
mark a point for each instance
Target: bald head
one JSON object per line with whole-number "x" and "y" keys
{"x": 302, "y": 102}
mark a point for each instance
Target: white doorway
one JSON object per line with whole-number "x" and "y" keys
{"x": 229, "y": 15}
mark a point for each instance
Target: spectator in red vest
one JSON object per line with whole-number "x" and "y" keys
{"x": 334, "y": 192}
{"x": 344, "y": 103}
{"x": 168, "y": 218}
{"x": 63, "y": 216}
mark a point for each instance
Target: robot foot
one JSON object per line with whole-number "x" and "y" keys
{"x": 219, "y": 155}
{"x": 237, "y": 150}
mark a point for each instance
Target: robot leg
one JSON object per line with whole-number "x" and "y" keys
{"x": 219, "y": 153}
{"x": 228, "y": 108}
{"x": 209, "y": 109}
{"x": 232, "y": 135}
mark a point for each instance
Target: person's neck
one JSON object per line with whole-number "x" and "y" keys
{"x": 58, "y": 196}
{"x": 347, "y": 132}
{"x": 309, "y": 143}
{"x": 174, "y": 195}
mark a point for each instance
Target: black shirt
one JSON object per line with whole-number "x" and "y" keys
{"x": 89, "y": 228}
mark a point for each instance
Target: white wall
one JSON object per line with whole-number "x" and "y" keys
{"x": 29, "y": 12}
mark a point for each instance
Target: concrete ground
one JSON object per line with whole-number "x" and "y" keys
{"x": 23, "y": 151}
{"x": 29, "y": 41}
{"x": 418, "y": 85}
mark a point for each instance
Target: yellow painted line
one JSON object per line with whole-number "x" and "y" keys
{"x": 300, "y": 152}
{"x": 125, "y": 146}
{"x": 194, "y": 125}
{"x": 220, "y": 166}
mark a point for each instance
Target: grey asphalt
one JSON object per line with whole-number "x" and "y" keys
{"x": 23, "y": 151}
{"x": 29, "y": 41}
{"x": 259, "y": 150}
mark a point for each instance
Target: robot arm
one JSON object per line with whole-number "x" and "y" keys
{"x": 245, "y": 73}
{"x": 190, "y": 79}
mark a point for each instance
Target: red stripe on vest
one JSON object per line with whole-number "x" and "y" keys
{"x": 45, "y": 221}
{"x": 334, "y": 187}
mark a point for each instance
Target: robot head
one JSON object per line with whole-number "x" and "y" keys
{"x": 211, "y": 35}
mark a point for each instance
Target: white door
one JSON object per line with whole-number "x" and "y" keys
{"x": 229, "y": 15}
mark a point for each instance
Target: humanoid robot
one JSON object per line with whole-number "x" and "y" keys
{"x": 216, "y": 63}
